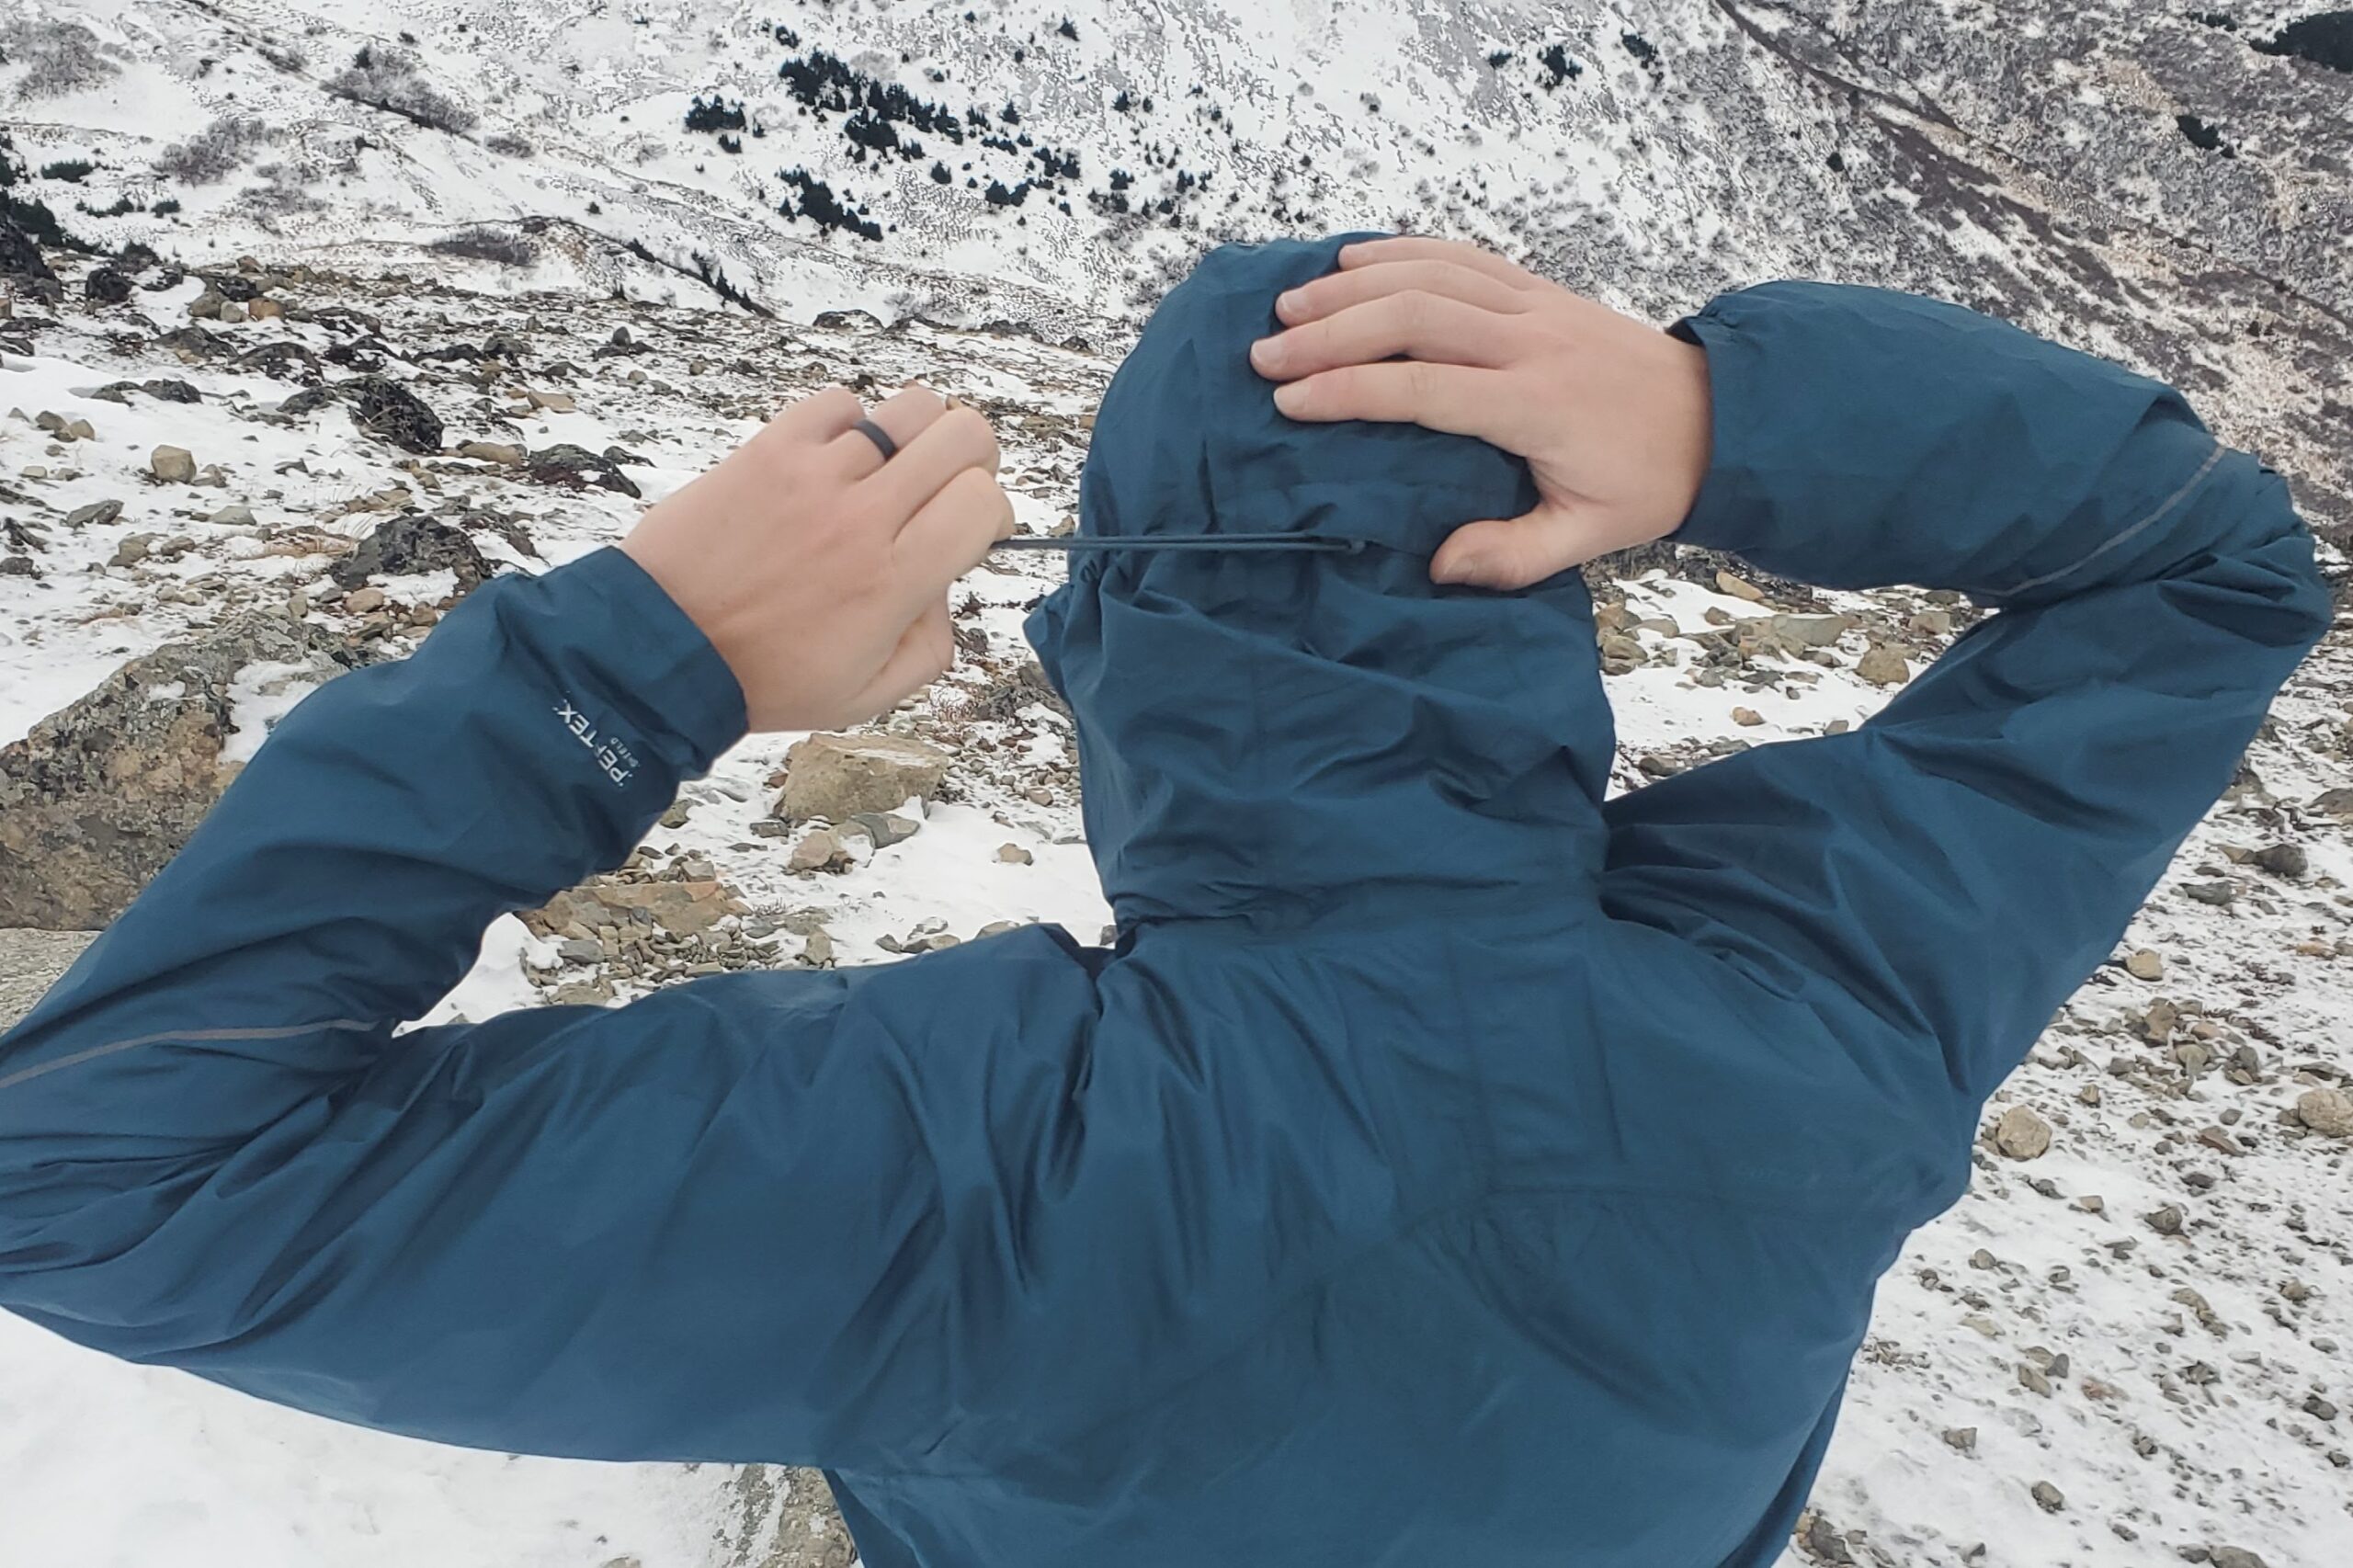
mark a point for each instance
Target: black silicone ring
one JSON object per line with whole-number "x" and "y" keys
{"x": 880, "y": 437}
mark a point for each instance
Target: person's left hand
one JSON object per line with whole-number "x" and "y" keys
{"x": 1611, "y": 413}
{"x": 819, "y": 571}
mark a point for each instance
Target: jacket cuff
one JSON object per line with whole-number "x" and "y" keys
{"x": 1731, "y": 508}
{"x": 626, "y": 670}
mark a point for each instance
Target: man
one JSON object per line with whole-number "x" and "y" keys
{"x": 1425, "y": 1175}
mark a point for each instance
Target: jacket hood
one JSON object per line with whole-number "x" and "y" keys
{"x": 1294, "y": 737}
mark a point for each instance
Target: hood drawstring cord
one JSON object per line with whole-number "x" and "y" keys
{"x": 1185, "y": 542}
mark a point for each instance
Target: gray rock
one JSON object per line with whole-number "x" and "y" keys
{"x": 885, "y": 828}
{"x": 2048, "y": 1498}
{"x": 2234, "y": 1557}
{"x": 2286, "y": 860}
{"x": 837, "y": 777}
{"x": 31, "y": 962}
{"x": 235, "y": 514}
{"x": 173, "y": 465}
{"x": 102, "y": 793}
{"x": 131, "y": 550}
{"x": 2143, "y": 964}
{"x": 581, "y": 949}
{"x": 96, "y": 513}
{"x": 2326, "y": 1111}
{"x": 1807, "y": 631}
{"x": 2216, "y": 893}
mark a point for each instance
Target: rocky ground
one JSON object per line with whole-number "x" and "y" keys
{"x": 2130, "y": 1340}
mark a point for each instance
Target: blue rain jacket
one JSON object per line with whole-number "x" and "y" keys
{"x": 1445, "y": 1165}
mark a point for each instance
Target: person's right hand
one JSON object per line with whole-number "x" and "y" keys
{"x": 1611, "y": 413}
{"x": 820, "y": 571}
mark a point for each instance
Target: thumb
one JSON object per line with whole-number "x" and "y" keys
{"x": 1515, "y": 552}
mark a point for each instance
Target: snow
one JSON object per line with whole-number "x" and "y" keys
{"x": 104, "y": 1464}
{"x": 260, "y": 694}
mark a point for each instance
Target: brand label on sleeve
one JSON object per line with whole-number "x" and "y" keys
{"x": 612, "y": 754}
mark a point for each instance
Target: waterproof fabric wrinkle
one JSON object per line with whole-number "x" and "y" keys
{"x": 1411, "y": 1181}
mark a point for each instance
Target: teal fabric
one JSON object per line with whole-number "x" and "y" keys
{"x": 1446, "y": 1165}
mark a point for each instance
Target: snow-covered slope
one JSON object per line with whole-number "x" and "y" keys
{"x": 2139, "y": 178}
{"x": 2028, "y": 161}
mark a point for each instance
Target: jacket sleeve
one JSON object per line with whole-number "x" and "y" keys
{"x": 704, "y": 1225}
{"x": 1945, "y": 875}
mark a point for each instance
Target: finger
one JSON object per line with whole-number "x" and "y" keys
{"x": 1514, "y": 553}
{"x": 924, "y": 653}
{"x": 958, "y": 440}
{"x": 949, "y": 534}
{"x": 1335, "y": 291}
{"x": 1423, "y": 247}
{"x": 1425, "y": 326}
{"x": 1453, "y": 398}
{"x": 818, "y": 418}
{"x": 902, "y": 416}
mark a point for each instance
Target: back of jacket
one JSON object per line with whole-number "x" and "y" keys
{"x": 1426, "y": 1175}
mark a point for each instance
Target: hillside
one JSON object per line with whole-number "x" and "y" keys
{"x": 441, "y": 358}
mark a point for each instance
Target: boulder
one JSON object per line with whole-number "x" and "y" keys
{"x": 410, "y": 543}
{"x": 104, "y": 286}
{"x": 392, "y": 413}
{"x": 173, "y": 465}
{"x": 101, "y": 794}
{"x": 572, "y": 466}
{"x": 836, "y": 776}
{"x": 2326, "y": 1111}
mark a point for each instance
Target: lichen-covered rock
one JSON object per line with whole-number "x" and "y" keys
{"x": 566, "y": 464}
{"x": 410, "y": 543}
{"x": 101, "y": 794}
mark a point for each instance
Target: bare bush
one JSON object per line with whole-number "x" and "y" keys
{"x": 283, "y": 196}
{"x": 215, "y": 152}
{"x": 58, "y": 58}
{"x": 489, "y": 245}
{"x": 286, "y": 57}
{"x": 386, "y": 79}
{"x": 509, "y": 143}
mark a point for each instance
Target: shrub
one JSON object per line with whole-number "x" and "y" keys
{"x": 386, "y": 79}
{"x": 167, "y": 206}
{"x": 286, "y": 57}
{"x": 488, "y": 244}
{"x": 117, "y": 210}
{"x": 216, "y": 152}
{"x": 58, "y": 58}
{"x": 71, "y": 170}
{"x": 509, "y": 144}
